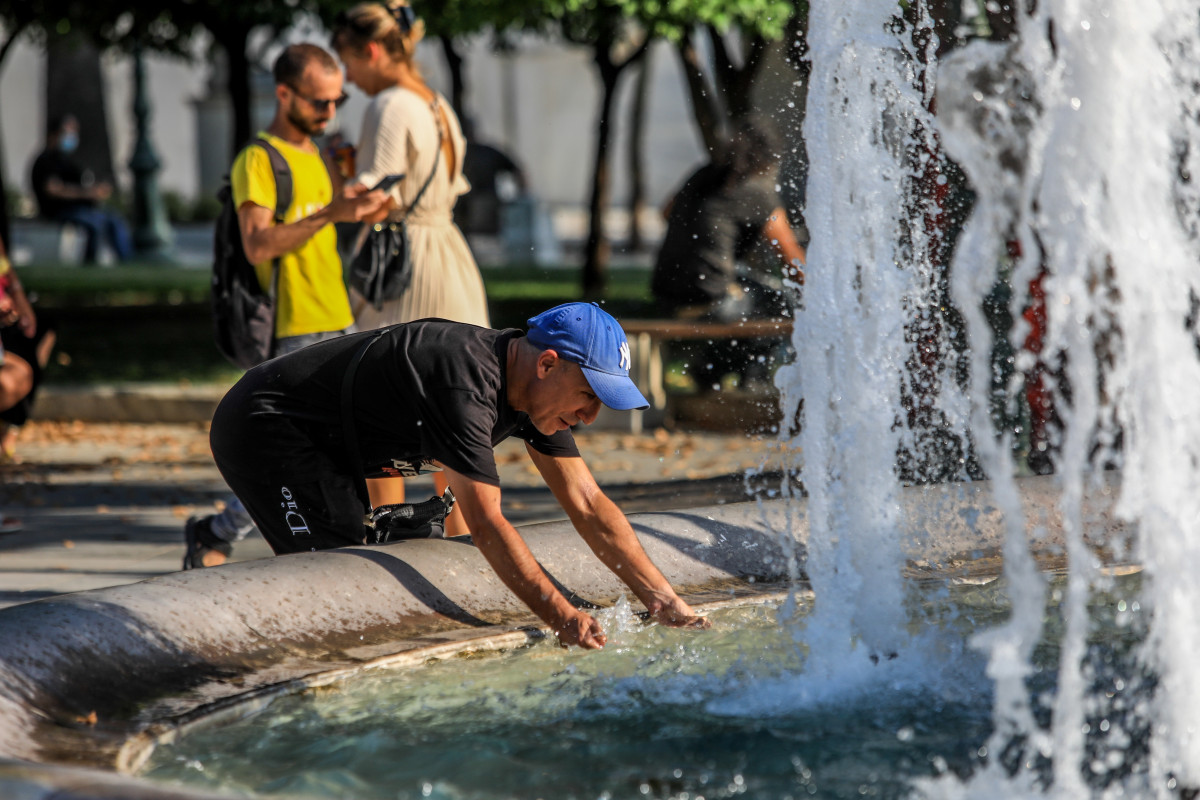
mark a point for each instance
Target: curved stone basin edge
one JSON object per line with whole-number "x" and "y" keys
{"x": 88, "y": 679}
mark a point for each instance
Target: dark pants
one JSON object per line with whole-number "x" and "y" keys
{"x": 97, "y": 222}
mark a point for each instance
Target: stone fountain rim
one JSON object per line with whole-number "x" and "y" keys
{"x": 700, "y": 550}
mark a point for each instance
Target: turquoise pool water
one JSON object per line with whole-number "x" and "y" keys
{"x": 671, "y": 714}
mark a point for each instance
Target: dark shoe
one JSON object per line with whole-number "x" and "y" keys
{"x": 201, "y": 541}
{"x": 397, "y": 521}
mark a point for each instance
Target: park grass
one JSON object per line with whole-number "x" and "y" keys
{"x": 68, "y": 286}
{"x": 152, "y": 323}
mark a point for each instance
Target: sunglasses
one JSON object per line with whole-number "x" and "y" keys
{"x": 321, "y": 105}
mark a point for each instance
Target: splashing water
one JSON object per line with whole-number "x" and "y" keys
{"x": 850, "y": 339}
{"x": 1079, "y": 137}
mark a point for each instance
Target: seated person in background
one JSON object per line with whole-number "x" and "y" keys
{"x": 66, "y": 192}
{"x": 713, "y": 221}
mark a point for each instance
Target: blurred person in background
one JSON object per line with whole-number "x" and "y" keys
{"x": 723, "y": 210}
{"x": 68, "y": 193}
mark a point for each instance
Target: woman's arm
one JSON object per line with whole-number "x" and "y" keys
{"x": 778, "y": 233}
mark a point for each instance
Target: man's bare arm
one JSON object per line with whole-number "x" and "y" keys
{"x": 510, "y": 557}
{"x": 610, "y": 536}
{"x": 56, "y": 187}
{"x": 778, "y": 233}
{"x": 263, "y": 240}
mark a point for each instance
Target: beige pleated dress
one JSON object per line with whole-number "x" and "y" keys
{"x": 400, "y": 135}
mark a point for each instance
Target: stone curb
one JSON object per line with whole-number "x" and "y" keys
{"x": 129, "y": 403}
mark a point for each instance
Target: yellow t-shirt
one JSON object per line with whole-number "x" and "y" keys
{"x": 311, "y": 296}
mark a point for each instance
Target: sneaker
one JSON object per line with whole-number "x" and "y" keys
{"x": 9, "y": 524}
{"x": 201, "y": 541}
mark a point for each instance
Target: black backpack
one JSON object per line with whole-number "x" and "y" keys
{"x": 243, "y": 314}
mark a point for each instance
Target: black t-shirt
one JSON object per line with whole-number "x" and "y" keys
{"x": 710, "y": 226}
{"x": 55, "y": 164}
{"x": 425, "y": 390}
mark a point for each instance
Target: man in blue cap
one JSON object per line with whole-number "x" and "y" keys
{"x": 296, "y": 437}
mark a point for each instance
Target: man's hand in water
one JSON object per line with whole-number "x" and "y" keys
{"x": 580, "y": 629}
{"x": 674, "y": 613}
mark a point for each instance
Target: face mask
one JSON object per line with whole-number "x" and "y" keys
{"x": 68, "y": 142}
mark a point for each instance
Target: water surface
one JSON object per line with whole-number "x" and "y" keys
{"x": 659, "y": 713}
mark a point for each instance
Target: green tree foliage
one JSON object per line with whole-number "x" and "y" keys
{"x": 451, "y": 20}
{"x": 165, "y": 26}
{"x": 169, "y": 25}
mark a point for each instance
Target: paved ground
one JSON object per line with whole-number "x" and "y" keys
{"x": 104, "y": 503}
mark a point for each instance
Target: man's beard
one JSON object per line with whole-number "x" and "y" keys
{"x": 307, "y": 126}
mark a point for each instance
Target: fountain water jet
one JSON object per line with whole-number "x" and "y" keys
{"x": 1078, "y": 137}
{"x": 850, "y": 337}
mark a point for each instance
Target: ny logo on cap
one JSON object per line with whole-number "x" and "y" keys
{"x": 626, "y": 361}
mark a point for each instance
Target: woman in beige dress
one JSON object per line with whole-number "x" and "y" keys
{"x": 401, "y": 132}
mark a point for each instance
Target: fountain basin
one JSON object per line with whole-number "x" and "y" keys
{"x": 94, "y": 679}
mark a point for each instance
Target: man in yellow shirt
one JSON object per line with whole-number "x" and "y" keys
{"x": 311, "y": 303}
{"x": 311, "y": 300}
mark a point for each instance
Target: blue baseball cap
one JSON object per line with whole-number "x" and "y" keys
{"x": 587, "y": 335}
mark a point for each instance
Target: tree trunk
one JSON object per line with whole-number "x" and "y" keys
{"x": 75, "y": 86}
{"x": 233, "y": 42}
{"x": 637, "y": 136}
{"x": 735, "y": 82}
{"x": 706, "y": 111}
{"x": 794, "y": 176}
{"x": 5, "y": 224}
{"x": 597, "y": 251}
{"x": 454, "y": 63}
{"x": 722, "y": 64}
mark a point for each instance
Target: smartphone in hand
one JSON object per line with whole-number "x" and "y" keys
{"x": 387, "y": 182}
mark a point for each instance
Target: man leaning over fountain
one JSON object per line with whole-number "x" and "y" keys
{"x": 436, "y": 394}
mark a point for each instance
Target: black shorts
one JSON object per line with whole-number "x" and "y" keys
{"x": 297, "y": 517}
{"x": 300, "y": 499}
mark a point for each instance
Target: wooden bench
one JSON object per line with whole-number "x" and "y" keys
{"x": 647, "y": 338}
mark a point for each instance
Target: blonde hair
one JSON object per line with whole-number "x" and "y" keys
{"x": 394, "y": 26}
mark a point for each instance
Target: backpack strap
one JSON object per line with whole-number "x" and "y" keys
{"x": 283, "y": 179}
{"x": 283, "y": 201}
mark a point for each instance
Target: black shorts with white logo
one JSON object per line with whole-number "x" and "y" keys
{"x": 297, "y": 517}
{"x": 300, "y": 499}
